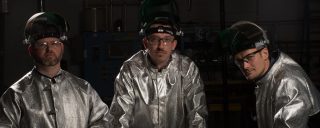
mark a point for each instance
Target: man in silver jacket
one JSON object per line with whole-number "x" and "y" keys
{"x": 285, "y": 96}
{"x": 157, "y": 87}
{"x": 47, "y": 96}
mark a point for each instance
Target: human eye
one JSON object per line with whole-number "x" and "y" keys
{"x": 56, "y": 43}
{"x": 169, "y": 39}
{"x": 41, "y": 44}
{"x": 249, "y": 57}
{"x": 153, "y": 39}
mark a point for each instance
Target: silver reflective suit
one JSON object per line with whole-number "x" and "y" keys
{"x": 147, "y": 98}
{"x": 64, "y": 101}
{"x": 285, "y": 96}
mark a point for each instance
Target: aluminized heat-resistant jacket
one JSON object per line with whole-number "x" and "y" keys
{"x": 285, "y": 96}
{"x": 65, "y": 101}
{"x": 147, "y": 98}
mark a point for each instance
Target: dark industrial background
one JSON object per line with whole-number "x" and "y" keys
{"x": 104, "y": 33}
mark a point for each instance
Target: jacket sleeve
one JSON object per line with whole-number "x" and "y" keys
{"x": 292, "y": 104}
{"x": 99, "y": 111}
{"x": 123, "y": 99}
{"x": 195, "y": 98}
{"x": 10, "y": 111}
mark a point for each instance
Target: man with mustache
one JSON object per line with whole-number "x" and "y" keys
{"x": 48, "y": 96}
{"x": 285, "y": 96}
{"x": 157, "y": 87}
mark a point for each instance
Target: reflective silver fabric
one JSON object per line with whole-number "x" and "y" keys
{"x": 147, "y": 98}
{"x": 285, "y": 96}
{"x": 65, "y": 101}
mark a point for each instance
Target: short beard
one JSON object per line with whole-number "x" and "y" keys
{"x": 51, "y": 61}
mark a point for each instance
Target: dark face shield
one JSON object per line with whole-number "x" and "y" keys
{"x": 244, "y": 35}
{"x": 40, "y": 31}
{"x": 45, "y": 24}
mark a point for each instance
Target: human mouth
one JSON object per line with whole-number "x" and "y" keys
{"x": 50, "y": 55}
{"x": 161, "y": 52}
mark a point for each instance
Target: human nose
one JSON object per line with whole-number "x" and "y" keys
{"x": 49, "y": 46}
{"x": 245, "y": 64}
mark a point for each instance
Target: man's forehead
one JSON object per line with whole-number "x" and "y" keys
{"x": 49, "y": 39}
{"x": 160, "y": 35}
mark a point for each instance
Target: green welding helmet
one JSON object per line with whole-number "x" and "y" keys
{"x": 159, "y": 12}
{"x": 45, "y": 24}
{"x": 244, "y": 35}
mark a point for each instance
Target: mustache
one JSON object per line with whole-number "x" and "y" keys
{"x": 49, "y": 53}
{"x": 161, "y": 50}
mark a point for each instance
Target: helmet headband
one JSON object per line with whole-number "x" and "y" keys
{"x": 160, "y": 29}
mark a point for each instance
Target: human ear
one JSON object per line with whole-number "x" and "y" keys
{"x": 145, "y": 42}
{"x": 174, "y": 45}
{"x": 265, "y": 53}
{"x": 30, "y": 50}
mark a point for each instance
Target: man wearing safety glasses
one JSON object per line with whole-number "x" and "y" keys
{"x": 157, "y": 87}
{"x": 285, "y": 96}
{"x": 48, "y": 96}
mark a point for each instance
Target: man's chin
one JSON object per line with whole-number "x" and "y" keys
{"x": 50, "y": 62}
{"x": 250, "y": 78}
